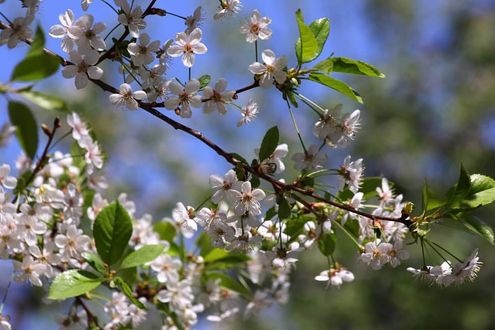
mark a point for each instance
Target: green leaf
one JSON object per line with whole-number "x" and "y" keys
{"x": 129, "y": 275}
{"x": 47, "y": 102}
{"x": 425, "y": 196}
{"x": 347, "y": 65}
{"x": 471, "y": 191}
{"x": 284, "y": 208}
{"x": 326, "y": 244}
{"x": 320, "y": 29}
{"x": 94, "y": 261}
{"x": 230, "y": 283}
{"x": 112, "y": 230}
{"x": 295, "y": 225}
{"x": 204, "y": 243}
{"x": 368, "y": 188}
{"x": 36, "y": 65}
{"x": 139, "y": 257}
{"x": 215, "y": 254}
{"x": 220, "y": 258}
{"x": 479, "y": 227}
{"x": 325, "y": 66}
{"x": 165, "y": 230}
{"x": 204, "y": 80}
{"x": 306, "y": 45}
{"x": 269, "y": 143}
{"x": 27, "y": 129}
{"x": 337, "y": 85}
{"x": 73, "y": 283}
{"x": 124, "y": 287}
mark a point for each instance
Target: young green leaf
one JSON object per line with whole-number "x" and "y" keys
{"x": 94, "y": 261}
{"x": 283, "y": 208}
{"x": 204, "y": 243}
{"x": 269, "y": 143}
{"x": 321, "y": 30}
{"x": 230, "y": 283}
{"x": 73, "y": 283}
{"x": 112, "y": 230}
{"x": 325, "y": 66}
{"x": 36, "y": 65}
{"x": 45, "y": 101}
{"x": 124, "y": 287}
{"x": 165, "y": 230}
{"x": 479, "y": 227}
{"x": 139, "y": 257}
{"x": 306, "y": 45}
{"x": 326, "y": 244}
{"x": 337, "y": 85}
{"x": 347, "y": 65}
{"x": 27, "y": 129}
{"x": 204, "y": 80}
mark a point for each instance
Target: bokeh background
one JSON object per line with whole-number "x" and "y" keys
{"x": 435, "y": 109}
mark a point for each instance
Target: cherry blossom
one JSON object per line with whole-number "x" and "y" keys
{"x": 83, "y": 66}
{"x": 183, "y": 98}
{"x": 271, "y": 68}
{"x": 187, "y": 45}
{"x": 257, "y": 27}
{"x": 126, "y": 97}
{"x": 142, "y": 52}
{"x": 216, "y": 98}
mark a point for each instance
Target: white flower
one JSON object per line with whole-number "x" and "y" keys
{"x": 30, "y": 270}
{"x": 142, "y": 53}
{"x": 126, "y": 97}
{"x": 6, "y": 131}
{"x": 351, "y": 173}
{"x": 312, "y": 159}
{"x": 85, "y": 4}
{"x": 79, "y": 128}
{"x": 247, "y": 201}
{"x": 183, "y": 97}
{"x": 193, "y": 21}
{"x": 167, "y": 268}
{"x": 4, "y": 322}
{"x": 7, "y": 181}
{"x": 82, "y": 67}
{"x": 184, "y": 218}
{"x": 187, "y": 45}
{"x": 355, "y": 203}
{"x": 93, "y": 156}
{"x": 223, "y": 187}
{"x": 73, "y": 242}
{"x": 178, "y": 294}
{"x": 273, "y": 68}
{"x": 467, "y": 270}
{"x": 217, "y": 97}
{"x": 257, "y": 27}
{"x": 89, "y": 37}
{"x": 227, "y": 8}
{"x": 132, "y": 19}
{"x": 335, "y": 276}
{"x": 397, "y": 253}
{"x": 67, "y": 30}
{"x": 384, "y": 192}
{"x": 30, "y": 225}
{"x": 248, "y": 113}
{"x": 273, "y": 164}
{"x": 335, "y": 129}
{"x": 16, "y": 32}
{"x": 376, "y": 254}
